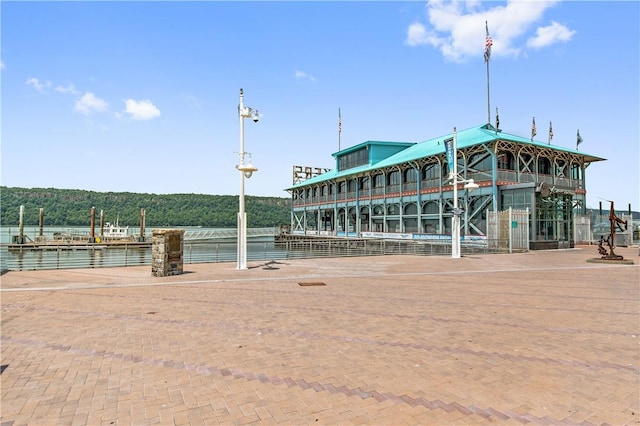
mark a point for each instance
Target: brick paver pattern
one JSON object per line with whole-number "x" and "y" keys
{"x": 542, "y": 338}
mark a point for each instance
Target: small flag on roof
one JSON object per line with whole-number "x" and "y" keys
{"x": 579, "y": 139}
{"x": 550, "y": 132}
{"x": 533, "y": 129}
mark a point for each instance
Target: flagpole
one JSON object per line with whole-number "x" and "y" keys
{"x": 487, "y": 57}
{"x": 339, "y": 127}
{"x": 488, "y": 100}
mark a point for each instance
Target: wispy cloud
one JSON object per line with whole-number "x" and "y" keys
{"x": 457, "y": 28}
{"x": 37, "y": 84}
{"x": 2, "y": 65}
{"x": 90, "y": 103}
{"x": 546, "y": 36}
{"x": 301, "y": 75}
{"x": 67, "y": 89}
{"x": 141, "y": 110}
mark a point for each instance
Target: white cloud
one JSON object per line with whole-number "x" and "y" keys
{"x": 417, "y": 34}
{"x": 37, "y": 84}
{"x": 546, "y": 36}
{"x": 301, "y": 75}
{"x": 457, "y": 28}
{"x": 2, "y": 65}
{"x": 67, "y": 89}
{"x": 141, "y": 110}
{"x": 89, "y": 103}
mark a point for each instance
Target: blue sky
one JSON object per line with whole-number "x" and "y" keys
{"x": 142, "y": 96}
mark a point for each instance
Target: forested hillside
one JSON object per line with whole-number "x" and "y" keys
{"x": 72, "y": 207}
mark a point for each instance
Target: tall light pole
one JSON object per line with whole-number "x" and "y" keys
{"x": 246, "y": 170}
{"x": 451, "y": 147}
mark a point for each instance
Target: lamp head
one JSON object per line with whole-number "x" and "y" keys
{"x": 247, "y": 169}
{"x": 471, "y": 185}
{"x": 255, "y": 117}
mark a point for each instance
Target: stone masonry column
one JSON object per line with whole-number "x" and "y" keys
{"x": 167, "y": 252}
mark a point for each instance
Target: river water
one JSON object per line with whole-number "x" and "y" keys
{"x": 197, "y": 251}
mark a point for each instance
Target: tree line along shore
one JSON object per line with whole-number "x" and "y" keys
{"x": 72, "y": 207}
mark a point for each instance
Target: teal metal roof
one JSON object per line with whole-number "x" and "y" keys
{"x": 466, "y": 138}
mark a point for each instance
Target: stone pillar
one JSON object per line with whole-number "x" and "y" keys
{"x": 167, "y": 252}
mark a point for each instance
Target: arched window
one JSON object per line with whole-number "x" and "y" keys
{"x": 411, "y": 209}
{"x": 544, "y": 166}
{"x": 505, "y": 160}
{"x": 431, "y": 171}
{"x": 393, "y": 178}
{"x": 365, "y": 182}
{"x": 431, "y": 207}
{"x": 410, "y": 175}
{"x": 378, "y": 180}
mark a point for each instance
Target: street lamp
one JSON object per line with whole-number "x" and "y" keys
{"x": 451, "y": 147}
{"x": 246, "y": 171}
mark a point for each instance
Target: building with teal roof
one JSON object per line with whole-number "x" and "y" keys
{"x": 405, "y": 188}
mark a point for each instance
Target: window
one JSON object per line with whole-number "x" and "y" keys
{"x": 505, "y": 161}
{"x": 410, "y": 175}
{"x": 576, "y": 171}
{"x": 354, "y": 159}
{"x": 378, "y": 181}
{"x": 364, "y": 182}
{"x": 479, "y": 162}
{"x": 544, "y": 166}
{"x": 394, "y": 178}
{"x": 431, "y": 171}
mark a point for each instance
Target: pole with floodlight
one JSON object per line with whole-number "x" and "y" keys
{"x": 451, "y": 147}
{"x": 246, "y": 171}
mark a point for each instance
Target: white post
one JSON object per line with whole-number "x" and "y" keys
{"x": 246, "y": 170}
{"x": 242, "y": 217}
{"x": 526, "y": 230}
{"x": 455, "y": 220}
{"x": 510, "y": 229}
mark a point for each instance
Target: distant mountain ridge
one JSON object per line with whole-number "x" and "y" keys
{"x": 72, "y": 207}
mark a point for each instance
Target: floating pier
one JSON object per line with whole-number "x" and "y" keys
{"x": 113, "y": 236}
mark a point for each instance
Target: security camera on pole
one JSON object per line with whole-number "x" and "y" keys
{"x": 246, "y": 171}
{"x": 451, "y": 148}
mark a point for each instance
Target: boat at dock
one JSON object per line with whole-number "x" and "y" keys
{"x": 111, "y": 236}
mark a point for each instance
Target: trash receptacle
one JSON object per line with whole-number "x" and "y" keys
{"x": 167, "y": 252}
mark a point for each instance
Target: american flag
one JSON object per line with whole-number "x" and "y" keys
{"x": 579, "y": 139}
{"x": 487, "y": 44}
{"x": 533, "y": 128}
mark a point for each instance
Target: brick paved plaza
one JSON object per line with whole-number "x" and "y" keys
{"x": 542, "y": 338}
